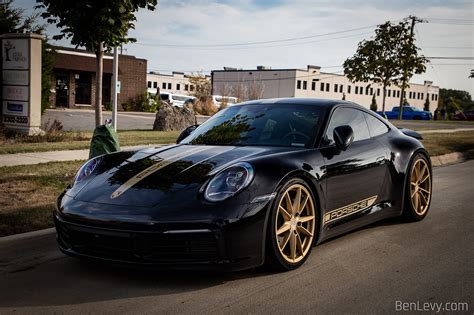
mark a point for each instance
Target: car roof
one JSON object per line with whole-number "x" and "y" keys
{"x": 301, "y": 101}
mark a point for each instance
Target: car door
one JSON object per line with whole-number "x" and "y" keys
{"x": 354, "y": 177}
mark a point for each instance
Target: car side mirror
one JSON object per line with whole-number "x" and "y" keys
{"x": 343, "y": 137}
{"x": 186, "y": 132}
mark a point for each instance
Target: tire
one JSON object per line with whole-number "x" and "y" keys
{"x": 291, "y": 233}
{"x": 418, "y": 189}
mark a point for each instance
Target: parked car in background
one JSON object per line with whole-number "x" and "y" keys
{"x": 175, "y": 99}
{"x": 409, "y": 113}
{"x": 464, "y": 115}
{"x": 218, "y": 100}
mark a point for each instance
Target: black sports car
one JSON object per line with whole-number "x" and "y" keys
{"x": 259, "y": 182}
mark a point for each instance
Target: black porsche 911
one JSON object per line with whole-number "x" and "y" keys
{"x": 260, "y": 182}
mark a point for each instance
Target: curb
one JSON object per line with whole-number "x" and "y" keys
{"x": 450, "y": 158}
{"x": 27, "y": 235}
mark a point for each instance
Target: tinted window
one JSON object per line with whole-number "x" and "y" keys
{"x": 351, "y": 117}
{"x": 376, "y": 127}
{"x": 266, "y": 125}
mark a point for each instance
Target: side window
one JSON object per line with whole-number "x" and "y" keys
{"x": 376, "y": 127}
{"x": 348, "y": 116}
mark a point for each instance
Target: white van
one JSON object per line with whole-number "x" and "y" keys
{"x": 228, "y": 100}
{"x": 175, "y": 99}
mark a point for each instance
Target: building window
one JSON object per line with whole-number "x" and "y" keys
{"x": 404, "y": 94}
{"x": 371, "y": 91}
{"x": 367, "y": 90}
{"x": 398, "y": 93}
{"x": 313, "y": 86}
{"x": 348, "y": 89}
{"x": 422, "y": 95}
{"x": 155, "y": 85}
{"x": 191, "y": 87}
{"x": 305, "y": 85}
{"x": 388, "y": 93}
{"x": 149, "y": 84}
{"x": 341, "y": 87}
{"x": 322, "y": 86}
{"x": 335, "y": 88}
{"x": 169, "y": 86}
{"x": 327, "y": 87}
{"x": 186, "y": 87}
{"x": 178, "y": 86}
{"x": 83, "y": 89}
{"x": 163, "y": 85}
{"x": 298, "y": 84}
{"x": 356, "y": 89}
{"x": 378, "y": 92}
{"x": 436, "y": 98}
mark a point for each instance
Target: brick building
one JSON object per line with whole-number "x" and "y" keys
{"x": 74, "y": 79}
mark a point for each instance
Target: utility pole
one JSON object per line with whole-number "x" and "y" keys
{"x": 414, "y": 20}
{"x": 114, "y": 89}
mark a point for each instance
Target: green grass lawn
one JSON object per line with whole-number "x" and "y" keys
{"x": 81, "y": 140}
{"x": 28, "y": 193}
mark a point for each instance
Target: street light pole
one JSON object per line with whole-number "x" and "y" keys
{"x": 114, "y": 89}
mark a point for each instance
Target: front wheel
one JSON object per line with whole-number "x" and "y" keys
{"x": 418, "y": 191}
{"x": 292, "y": 226}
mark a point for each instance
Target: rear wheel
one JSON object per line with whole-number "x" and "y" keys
{"x": 418, "y": 191}
{"x": 292, "y": 226}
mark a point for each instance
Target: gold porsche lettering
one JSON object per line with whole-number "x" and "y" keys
{"x": 349, "y": 209}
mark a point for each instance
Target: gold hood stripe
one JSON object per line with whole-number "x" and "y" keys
{"x": 154, "y": 168}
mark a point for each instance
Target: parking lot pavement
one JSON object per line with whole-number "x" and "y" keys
{"x": 83, "y": 120}
{"x": 366, "y": 271}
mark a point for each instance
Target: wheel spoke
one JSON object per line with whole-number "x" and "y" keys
{"x": 424, "y": 190}
{"x": 284, "y": 213}
{"x": 293, "y": 246}
{"x": 299, "y": 244}
{"x": 285, "y": 240}
{"x": 422, "y": 172}
{"x": 297, "y": 203}
{"x": 304, "y": 203}
{"x": 424, "y": 179}
{"x": 285, "y": 227}
{"x": 416, "y": 201}
{"x": 305, "y": 231}
{"x": 413, "y": 193}
{"x": 416, "y": 172}
{"x": 424, "y": 198}
{"x": 289, "y": 204}
{"x": 306, "y": 218}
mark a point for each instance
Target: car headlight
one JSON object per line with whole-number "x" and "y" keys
{"x": 87, "y": 169}
{"x": 229, "y": 182}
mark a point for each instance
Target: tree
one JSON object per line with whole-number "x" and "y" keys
{"x": 453, "y": 100}
{"x": 12, "y": 20}
{"x": 426, "y": 105}
{"x": 343, "y": 96}
{"x": 95, "y": 25}
{"x": 373, "y": 105}
{"x": 202, "y": 86}
{"x": 389, "y": 58}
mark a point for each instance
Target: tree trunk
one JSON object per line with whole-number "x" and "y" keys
{"x": 99, "y": 54}
{"x": 383, "y": 100}
{"x": 400, "y": 108}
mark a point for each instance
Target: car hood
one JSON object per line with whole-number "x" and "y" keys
{"x": 161, "y": 176}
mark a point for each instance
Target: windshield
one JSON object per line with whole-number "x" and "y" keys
{"x": 260, "y": 124}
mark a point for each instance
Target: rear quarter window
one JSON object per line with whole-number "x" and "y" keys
{"x": 376, "y": 127}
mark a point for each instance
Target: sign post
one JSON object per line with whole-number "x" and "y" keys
{"x": 21, "y": 82}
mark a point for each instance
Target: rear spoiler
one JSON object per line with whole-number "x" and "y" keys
{"x": 411, "y": 133}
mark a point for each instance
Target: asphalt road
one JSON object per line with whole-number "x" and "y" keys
{"x": 83, "y": 120}
{"x": 368, "y": 270}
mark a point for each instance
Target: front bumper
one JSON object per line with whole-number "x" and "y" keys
{"x": 229, "y": 247}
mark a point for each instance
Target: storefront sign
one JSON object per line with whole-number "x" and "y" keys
{"x": 15, "y": 54}
{"x": 15, "y": 93}
{"x": 15, "y": 77}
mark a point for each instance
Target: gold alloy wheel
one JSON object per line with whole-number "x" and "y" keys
{"x": 295, "y": 223}
{"x": 420, "y": 187}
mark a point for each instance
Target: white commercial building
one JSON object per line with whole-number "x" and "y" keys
{"x": 311, "y": 82}
{"x": 176, "y": 82}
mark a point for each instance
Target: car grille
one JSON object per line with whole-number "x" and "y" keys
{"x": 145, "y": 247}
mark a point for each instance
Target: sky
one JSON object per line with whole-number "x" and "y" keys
{"x": 204, "y": 35}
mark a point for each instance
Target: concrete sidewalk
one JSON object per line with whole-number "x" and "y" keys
{"x": 55, "y": 156}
